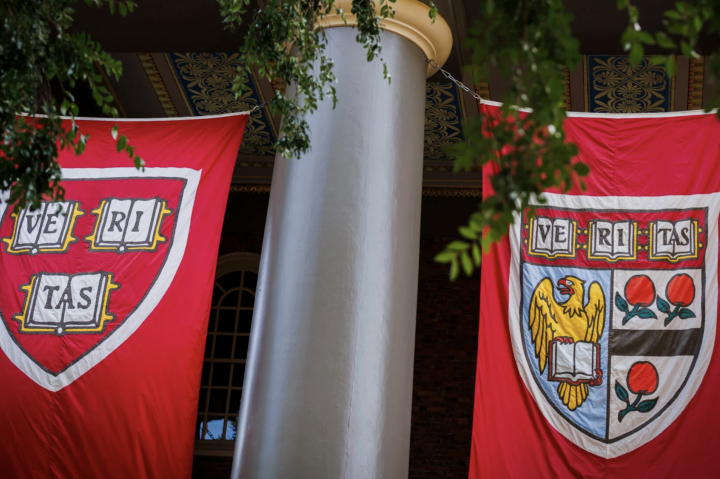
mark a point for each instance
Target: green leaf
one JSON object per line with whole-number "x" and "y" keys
{"x": 658, "y": 59}
{"x": 454, "y": 270}
{"x": 114, "y": 131}
{"x": 685, "y": 48}
{"x": 663, "y": 305}
{"x": 646, "y": 37}
{"x": 686, "y": 314}
{"x": 581, "y": 169}
{"x": 664, "y": 41}
{"x": 467, "y": 233}
{"x": 670, "y": 66}
{"x": 628, "y": 37}
{"x": 477, "y": 257}
{"x": 445, "y": 256}
{"x": 621, "y": 303}
{"x": 646, "y": 313}
{"x": 622, "y": 394}
{"x": 121, "y": 143}
{"x": 648, "y": 405}
{"x": 458, "y": 245}
{"x": 467, "y": 264}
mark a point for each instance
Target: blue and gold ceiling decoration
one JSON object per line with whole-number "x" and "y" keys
{"x": 205, "y": 81}
{"x": 614, "y": 85}
{"x": 444, "y": 111}
{"x": 696, "y": 79}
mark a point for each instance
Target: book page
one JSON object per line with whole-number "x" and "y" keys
{"x": 54, "y": 224}
{"x": 621, "y": 238}
{"x": 542, "y": 234}
{"x": 663, "y": 233}
{"x": 86, "y": 292}
{"x": 602, "y": 237}
{"x": 114, "y": 221}
{"x": 28, "y": 226}
{"x": 684, "y": 237}
{"x": 584, "y": 359}
{"x": 564, "y": 358}
{"x": 562, "y": 235}
{"x": 141, "y": 225}
{"x": 48, "y": 307}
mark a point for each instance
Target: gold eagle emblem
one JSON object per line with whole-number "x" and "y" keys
{"x": 567, "y": 322}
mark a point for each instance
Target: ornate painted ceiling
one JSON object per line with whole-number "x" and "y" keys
{"x": 205, "y": 81}
{"x": 200, "y": 84}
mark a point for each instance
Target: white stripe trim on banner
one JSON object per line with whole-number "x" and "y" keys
{"x": 618, "y": 116}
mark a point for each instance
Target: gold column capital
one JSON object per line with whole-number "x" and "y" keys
{"x": 411, "y": 21}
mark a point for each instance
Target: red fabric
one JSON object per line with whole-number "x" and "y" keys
{"x": 511, "y": 437}
{"x": 133, "y": 414}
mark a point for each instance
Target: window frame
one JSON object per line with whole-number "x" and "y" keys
{"x": 227, "y": 263}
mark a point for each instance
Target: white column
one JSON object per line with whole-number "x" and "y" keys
{"x": 328, "y": 383}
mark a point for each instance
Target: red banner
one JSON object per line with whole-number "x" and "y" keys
{"x": 598, "y": 315}
{"x": 104, "y": 301}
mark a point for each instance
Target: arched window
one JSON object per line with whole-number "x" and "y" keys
{"x": 226, "y": 350}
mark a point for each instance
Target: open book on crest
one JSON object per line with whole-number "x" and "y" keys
{"x": 47, "y": 229}
{"x": 128, "y": 224}
{"x": 66, "y": 303}
{"x": 576, "y": 362}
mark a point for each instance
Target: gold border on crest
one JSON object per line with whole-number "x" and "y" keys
{"x": 605, "y": 258}
{"x": 105, "y": 316}
{"x": 572, "y": 255}
{"x": 157, "y": 237}
{"x": 696, "y": 240}
{"x": 75, "y": 212}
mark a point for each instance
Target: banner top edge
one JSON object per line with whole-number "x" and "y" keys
{"x": 176, "y": 118}
{"x": 619, "y": 116}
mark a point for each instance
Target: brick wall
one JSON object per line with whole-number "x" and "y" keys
{"x": 444, "y": 377}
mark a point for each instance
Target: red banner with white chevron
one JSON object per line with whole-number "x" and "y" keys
{"x": 597, "y": 352}
{"x": 104, "y": 300}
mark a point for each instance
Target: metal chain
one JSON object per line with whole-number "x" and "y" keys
{"x": 447, "y": 74}
{"x": 257, "y": 107}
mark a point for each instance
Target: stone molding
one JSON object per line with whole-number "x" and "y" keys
{"x": 411, "y": 21}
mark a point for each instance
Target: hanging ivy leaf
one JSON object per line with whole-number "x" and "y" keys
{"x": 38, "y": 45}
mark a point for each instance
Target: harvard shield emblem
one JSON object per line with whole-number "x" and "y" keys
{"x": 83, "y": 274}
{"x": 612, "y": 312}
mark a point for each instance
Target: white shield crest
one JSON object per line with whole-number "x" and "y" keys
{"x": 79, "y": 277}
{"x": 613, "y": 306}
